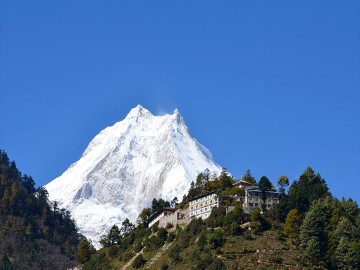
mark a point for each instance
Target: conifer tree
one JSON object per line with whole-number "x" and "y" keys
{"x": 114, "y": 235}
{"x": 4, "y": 204}
{"x": 314, "y": 229}
{"x": 249, "y": 178}
{"x": 84, "y": 252}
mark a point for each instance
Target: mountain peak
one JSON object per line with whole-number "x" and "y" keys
{"x": 127, "y": 165}
{"x": 138, "y": 111}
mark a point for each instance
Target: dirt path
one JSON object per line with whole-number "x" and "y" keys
{"x": 131, "y": 260}
{"x": 164, "y": 248}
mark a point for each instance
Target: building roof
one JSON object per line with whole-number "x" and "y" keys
{"x": 267, "y": 191}
{"x": 154, "y": 216}
{"x": 242, "y": 182}
{"x": 203, "y": 195}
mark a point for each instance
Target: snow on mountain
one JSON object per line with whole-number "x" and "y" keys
{"x": 125, "y": 166}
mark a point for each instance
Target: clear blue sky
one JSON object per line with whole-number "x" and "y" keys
{"x": 272, "y": 86}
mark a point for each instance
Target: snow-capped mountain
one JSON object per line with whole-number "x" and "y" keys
{"x": 127, "y": 165}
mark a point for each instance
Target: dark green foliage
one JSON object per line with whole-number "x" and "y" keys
{"x": 232, "y": 221}
{"x": 127, "y": 256}
{"x": 313, "y": 235}
{"x": 138, "y": 262}
{"x": 126, "y": 227}
{"x": 98, "y": 262}
{"x": 174, "y": 253}
{"x": 164, "y": 266}
{"x": 202, "y": 241}
{"x": 5, "y": 263}
{"x": 249, "y": 178}
{"x": 216, "y": 218}
{"x": 215, "y": 239}
{"x": 171, "y": 237}
{"x": 162, "y": 234}
{"x": 265, "y": 184}
{"x": 155, "y": 242}
{"x": 114, "y": 235}
{"x": 206, "y": 261}
{"x": 84, "y": 250}
{"x": 247, "y": 235}
{"x": 308, "y": 188}
{"x": 138, "y": 247}
{"x": 113, "y": 251}
{"x": 226, "y": 181}
{"x": 33, "y": 231}
{"x": 155, "y": 228}
{"x": 302, "y": 193}
{"x": 332, "y": 234}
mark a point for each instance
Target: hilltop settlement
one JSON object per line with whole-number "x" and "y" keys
{"x": 220, "y": 223}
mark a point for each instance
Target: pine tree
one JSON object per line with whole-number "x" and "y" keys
{"x": 114, "y": 235}
{"x": 249, "y": 178}
{"x": 4, "y": 204}
{"x": 14, "y": 196}
{"x": 312, "y": 252}
{"x": 315, "y": 228}
{"x": 84, "y": 252}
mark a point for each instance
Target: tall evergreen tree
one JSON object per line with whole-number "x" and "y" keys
{"x": 249, "y": 178}
{"x": 315, "y": 228}
{"x": 114, "y": 235}
{"x": 84, "y": 252}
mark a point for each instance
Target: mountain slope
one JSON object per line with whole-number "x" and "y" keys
{"x": 125, "y": 166}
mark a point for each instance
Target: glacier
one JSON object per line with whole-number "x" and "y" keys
{"x": 127, "y": 165}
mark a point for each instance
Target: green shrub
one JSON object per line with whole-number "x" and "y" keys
{"x": 138, "y": 262}
{"x": 127, "y": 256}
{"x": 113, "y": 251}
{"x": 171, "y": 237}
{"x": 164, "y": 266}
{"x": 155, "y": 228}
{"x": 247, "y": 235}
{"x": 98, "y": 262}
{"x": 155, "y": 242}
{"x": 162, "y": 234}
{"x": 138, "y": 247}
{"x": 174, "y": 253}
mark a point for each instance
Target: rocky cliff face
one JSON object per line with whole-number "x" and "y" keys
{"x": 125, "y": 166}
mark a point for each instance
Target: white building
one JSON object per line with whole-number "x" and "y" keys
{"x": 201, "y": 206}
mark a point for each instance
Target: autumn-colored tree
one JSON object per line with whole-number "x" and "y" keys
{"x": 292, "y": 226}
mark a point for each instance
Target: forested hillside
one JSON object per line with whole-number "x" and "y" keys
{"x": 34, "y": 234}
{"x": 308, "y": 229}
